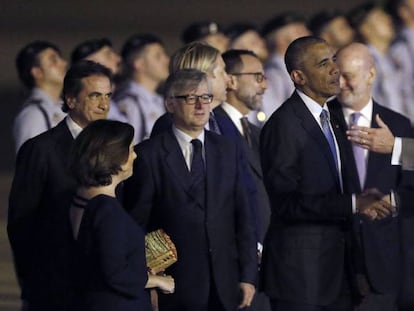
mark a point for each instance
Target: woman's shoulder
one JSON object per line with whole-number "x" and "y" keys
{"x": 104, "y": 205}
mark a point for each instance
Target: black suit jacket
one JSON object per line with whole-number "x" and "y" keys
{"x": 38, "y": 222}
{"x": 215, "y": 244}
{"x": 227, "y": 128}
{"x": 252, "y": 153}
{"x": 380, "y": 239}
{"x": 305, "y": 249}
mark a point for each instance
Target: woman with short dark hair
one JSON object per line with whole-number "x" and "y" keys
{"x": 111, "y": 272}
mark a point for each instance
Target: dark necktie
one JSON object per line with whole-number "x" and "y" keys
{"x": 197, "y": 171}
{"x": 358, "y": 152}
{"x": 328, "y": 134}
{"x": 212, "y": 122}
{"x": 247, "y": 131}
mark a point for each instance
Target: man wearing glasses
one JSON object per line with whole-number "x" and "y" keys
{"x": 187, "y": 181}
{"x": 244, "y": 94}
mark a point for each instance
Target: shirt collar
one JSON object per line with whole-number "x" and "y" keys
{"x": 74, "y": 128}
{"x": 365, "y": 112}
{"x": 312, "y": 105}
{"x": 185, "y": 139}
{"x": 234, "y": 114}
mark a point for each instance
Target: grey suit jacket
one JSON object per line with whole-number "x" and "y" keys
{"x": 407, "y": 154}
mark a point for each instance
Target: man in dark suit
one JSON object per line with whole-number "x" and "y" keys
{"x": 244, "y": 94}
{"x": 306, "y": 254}
{"x": 42, "y": 190}
{"x": 187, "y": 181}
{"x": 379, "y": 260}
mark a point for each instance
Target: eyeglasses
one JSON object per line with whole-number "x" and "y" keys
{"x": 191, "y": 99}
{"x": 257, "y": 75}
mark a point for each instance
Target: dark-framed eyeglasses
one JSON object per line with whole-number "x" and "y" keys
{"x": 257, "y": 75}
{"x": 192, "y": 99}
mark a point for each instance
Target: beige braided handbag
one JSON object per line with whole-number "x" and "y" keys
{"x": 160, "y": 251}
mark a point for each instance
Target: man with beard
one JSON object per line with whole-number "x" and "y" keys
{"x": 245, "y": 93}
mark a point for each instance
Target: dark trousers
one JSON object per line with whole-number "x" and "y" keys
{"x": 378, "y": 302}
{"x": 344, "y": 302}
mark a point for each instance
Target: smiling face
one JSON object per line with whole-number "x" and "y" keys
{"x": 318, "y": 75}
{"x": 92, "y": 102}
{"x": 191, "y": 119}
{"x": 357, "y": 76}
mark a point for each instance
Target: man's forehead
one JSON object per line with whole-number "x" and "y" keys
{"x": 201, "y": 88}
{"x": 48, "y": 52}
{"x": 320, "y": 51}
{"x": 95, "y": 80}
{"x": 251, "y": 61}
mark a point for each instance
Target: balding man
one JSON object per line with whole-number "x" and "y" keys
{"x": 306, "y": 259}
{"x": 354, "y": 105}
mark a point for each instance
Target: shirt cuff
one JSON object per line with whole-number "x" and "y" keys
{"x": 396, "y": 151}
{"x": 259, "y": 247}
{"x": 354, "y": 209}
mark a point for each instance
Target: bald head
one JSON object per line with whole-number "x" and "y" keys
{"x": 357, "y": 69}
{"x": 358, "y": 53}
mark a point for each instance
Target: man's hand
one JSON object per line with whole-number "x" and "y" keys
{"x": 378, "y": 140}
{"x": 248, "y": 291}
{"x": 374, "y": 204}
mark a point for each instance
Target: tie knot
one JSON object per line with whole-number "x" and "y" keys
{"x": 355, "y": 117}
{"x": 197, "y": 145}
{"x": 324, "y": 115}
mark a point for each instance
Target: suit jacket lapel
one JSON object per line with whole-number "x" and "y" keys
{"x": 374, "y": 159}
{"x": 63, "y": 140}
{"x": 176, "y": 163}
{"x": 228, "y": 128}
{"x": 311, "y": 126}
{"x": 253, "y": 152}
{"x": 349, "y": 169}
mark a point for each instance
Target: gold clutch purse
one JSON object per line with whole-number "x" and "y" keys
{"x": 160, "y": 251}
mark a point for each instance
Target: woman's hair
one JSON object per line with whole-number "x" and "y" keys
{"x": 195, "y": 55}
{"x": 99, "y": 151}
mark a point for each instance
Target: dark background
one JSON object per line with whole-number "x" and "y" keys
{"x": 67, "y": 23}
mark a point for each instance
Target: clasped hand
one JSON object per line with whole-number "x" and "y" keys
{"x": 375, "y": 204}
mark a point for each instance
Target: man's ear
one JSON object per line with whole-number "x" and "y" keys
{"x": 36, "y": 72}
{"x": 138, "y": 64}
{"x": 169, "y": 104}
{"x": 71, "y": 102}
{"x": 233, "y": 83}
{"x": 372, "y": 74}
{"x": 298, "y": 77}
